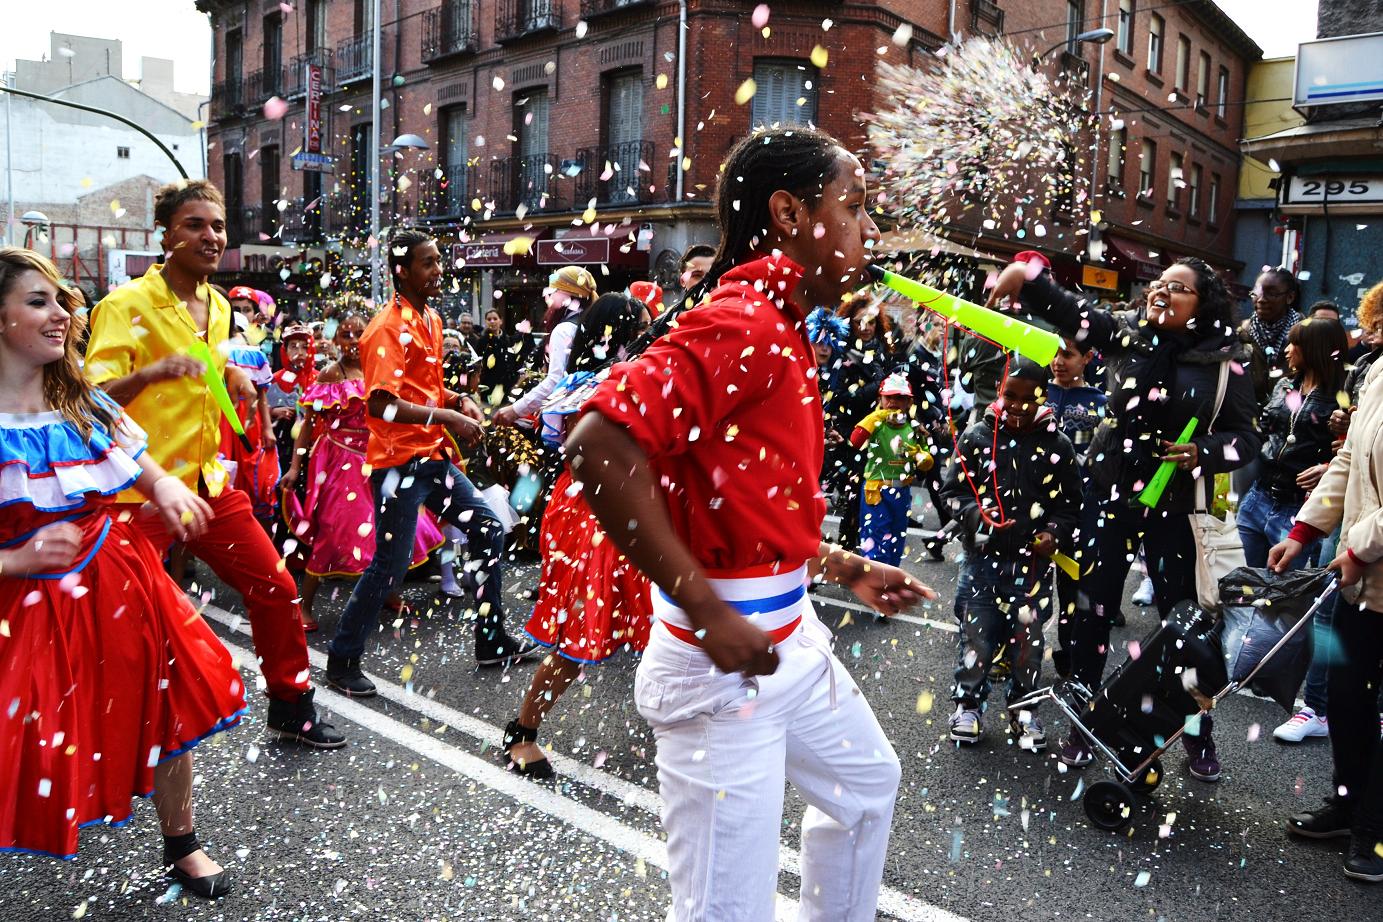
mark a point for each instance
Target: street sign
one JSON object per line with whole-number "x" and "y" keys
{"x": 312, "y": 115}
{"x": 574, "y": 251}
{"x": 1095, "y": 277}
{"x": 1336, "y": 190}
{"x": 313, "y": 163}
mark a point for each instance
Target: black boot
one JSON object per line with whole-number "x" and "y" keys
{"x": 1364, "y": 862}
{"x": 344, "y": 675}
{"x": 212, "y": 887}
{"x": 297, "y": 721}
{"x": 515, "y": 733}
{"x": 494, "y": 646}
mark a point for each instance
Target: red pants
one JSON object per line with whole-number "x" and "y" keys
{"x": 240, "y": 553}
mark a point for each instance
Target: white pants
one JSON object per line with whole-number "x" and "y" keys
{"x": 726, "y": 743}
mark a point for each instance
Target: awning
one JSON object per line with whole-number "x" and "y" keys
{"x": 495, "y": 250}
{"x": 1139, "y": 259}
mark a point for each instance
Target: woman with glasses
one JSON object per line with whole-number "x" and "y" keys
{"x": 1276, "y": 310}
{"x": 1164, "y": 367}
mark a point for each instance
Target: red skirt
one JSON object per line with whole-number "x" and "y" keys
{"x": 592, "y": 601}
{"x": 104, "y": 674}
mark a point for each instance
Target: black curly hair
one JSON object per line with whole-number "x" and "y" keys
{"x": 1215, "y": 310}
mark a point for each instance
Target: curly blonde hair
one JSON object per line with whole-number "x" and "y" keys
{"x": 64, "y": 386}
{"x": 1371, "y": 310}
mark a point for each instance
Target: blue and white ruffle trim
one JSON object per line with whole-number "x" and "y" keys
{"x": 44, "y": 461}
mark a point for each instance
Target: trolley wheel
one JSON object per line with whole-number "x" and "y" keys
{"x": 1108, "y": 804}
{"x": 1151, "y": 777}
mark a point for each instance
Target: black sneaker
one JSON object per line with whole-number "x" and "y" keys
{"x": 1365, "y": 862}
{"x": 344, "y": 675}
{"x": 297, "y": 721}
{"x": 1333, "y": 821}
{"x": 502, "y": 650}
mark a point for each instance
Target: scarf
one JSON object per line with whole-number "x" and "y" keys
{"x": 1272, "y": 337}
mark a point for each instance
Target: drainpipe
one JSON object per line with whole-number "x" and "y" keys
{"x": 681, "y": 93}
{"x": 1093, "y": 243}
{"x": 950, "y": 20}
{"x": 375, "y": 254}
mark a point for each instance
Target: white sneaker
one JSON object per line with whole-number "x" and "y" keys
{"x": 1302, "y": 725}
{"x": 1143, "y": 595}
{"x": 965, "y": 725}
{"x": 1029, "y": 734}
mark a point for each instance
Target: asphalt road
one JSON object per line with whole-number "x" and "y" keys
{"x": 417, "y": 819}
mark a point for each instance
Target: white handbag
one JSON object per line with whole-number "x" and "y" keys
{"x": 1219, "y": 549}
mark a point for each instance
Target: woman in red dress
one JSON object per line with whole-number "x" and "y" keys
{"x": 108, "y": 676}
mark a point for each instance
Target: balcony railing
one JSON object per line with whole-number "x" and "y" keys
{"x": 614, "y": 175}
{"x": 295, "y": 80}
{"x": 354, "y": 59}
{"x": 515, "y": 19}
{"x": 1076, "y": 68}
{"x": 530, "y": 181}
{"x": 298, "y": 225}
{"x": 450, "y": 30}
{"x": 345, "y": 214}
{"x": 590, "y": 8}
{"x": 451, "y": 195}
{"x": 228, "y": 99}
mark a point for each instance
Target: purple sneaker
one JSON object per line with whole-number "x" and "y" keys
{"x": 1075, "y": 751}
{"x": 1202, "y": 763}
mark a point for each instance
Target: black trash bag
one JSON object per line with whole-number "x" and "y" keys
{"x": 1260, "y": 608}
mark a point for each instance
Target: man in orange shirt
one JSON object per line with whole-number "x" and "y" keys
{"x": 137, "y": 352}
{"x": 410, "y": 415}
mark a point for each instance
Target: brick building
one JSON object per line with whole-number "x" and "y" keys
{"x": 534, "y": 109}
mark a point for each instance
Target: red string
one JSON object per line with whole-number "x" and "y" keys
{"x": 951, "y": 424}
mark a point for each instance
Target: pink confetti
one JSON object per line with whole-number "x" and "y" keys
{"x": 760, "y": 17}
{"x": 1135, "y": 649}
{"x": 275, "y": 108}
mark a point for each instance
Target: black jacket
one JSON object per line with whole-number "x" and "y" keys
{"x": 1035, "y": 474}
{"x": 1291, "y": 447}
{"x": 1156, "y": 382}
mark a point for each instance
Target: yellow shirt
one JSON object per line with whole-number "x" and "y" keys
{"x": 133, "y": 327}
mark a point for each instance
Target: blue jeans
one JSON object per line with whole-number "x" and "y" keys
{"x": 999, "y": 606}
{"x": 884, "y": 527}
{"x": 399, "y": 492}
{"x": 1264, "y": 522}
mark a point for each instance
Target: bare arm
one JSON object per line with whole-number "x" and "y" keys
{"x": 300, "y": 444}
{"x": 384, "y": 405}
{"x": 621, "y": 490}
{"x": 185, "y": 514}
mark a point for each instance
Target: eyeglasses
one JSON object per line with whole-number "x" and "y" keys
{"x": 1174, "y": 287}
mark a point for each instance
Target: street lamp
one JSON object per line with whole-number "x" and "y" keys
{"x": 32, "y": 221}
{"x": 1093, "y": 37}
{"x": 401, "y": 143}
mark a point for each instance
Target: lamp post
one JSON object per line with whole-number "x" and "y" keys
{"x": 1092, "y": 37}
{"x": 32, "y": 221}
{"x": 374, "y": 257}
{"x": 402, "y": 143}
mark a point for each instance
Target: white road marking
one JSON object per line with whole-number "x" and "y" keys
{"x": 599, "y": 825}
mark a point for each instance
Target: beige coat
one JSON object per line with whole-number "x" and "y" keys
{"x": 1348, "y": 494}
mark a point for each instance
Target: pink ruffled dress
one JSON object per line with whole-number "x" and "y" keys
{"x": 338, "y": 514}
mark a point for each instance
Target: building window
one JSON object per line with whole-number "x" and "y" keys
{"x": 1124, "y": 40}
{"x": 122, "y": 153}
{"x": 1183, "y": 75}
{"x": 456, "y": 155}
{"x": 1222, "y": 93}
{"x": 360, "y": 175}
{"x": 364, "y": 16}
{"x": 1203, "y": 81}
{"x": 1147, "y": 168}
{"x": 273, "y": 54}
{"x": 232, "y": 188}
{"x": 531, "y": 113}
{"x": 1075, "y": 20}
{"x": 316, "y": 25}
{"x": 269, "y": 189}
{"x": 1194, "y": 208}
{"x": 1155, "y": 28}
{"x": 624, "y": 135}
{"x": 234, "y": 56}
{"x": 1175, "y": 181}
{"x": 786, "y": 93}
{"x": 1212, "y": 207}
{"x": 1118, "y": 138}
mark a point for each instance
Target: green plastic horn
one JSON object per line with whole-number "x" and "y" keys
{"x": 1031, "y": 342}
{"x": 217, "y": 386}
{"x": 1152, "y": 493}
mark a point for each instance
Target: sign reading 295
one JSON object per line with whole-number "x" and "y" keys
{"x": 1344, "y": 190}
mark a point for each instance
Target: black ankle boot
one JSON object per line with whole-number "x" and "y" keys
{"x": 212, "y": 887}
{"x": 344, "y": 675}
{"x": 297, "y": 720}
{"x": 516, "y": 733}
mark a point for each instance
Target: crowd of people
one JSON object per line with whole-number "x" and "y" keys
{"x": 672, "y": 468}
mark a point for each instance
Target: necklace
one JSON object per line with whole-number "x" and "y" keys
{"x": 1292, "y": 422}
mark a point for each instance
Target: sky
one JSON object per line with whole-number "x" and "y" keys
{"x": 174, "y": 28}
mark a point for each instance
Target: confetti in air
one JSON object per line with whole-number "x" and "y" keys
{"x": 981, "y": 138}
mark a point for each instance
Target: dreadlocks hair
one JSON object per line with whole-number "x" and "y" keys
{"x": 606, "y": 330}
{"x": 401, "y": 246}
{"x": 795, "y": 159}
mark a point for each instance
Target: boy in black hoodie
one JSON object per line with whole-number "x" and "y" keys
{"x": 1015, "y": 486}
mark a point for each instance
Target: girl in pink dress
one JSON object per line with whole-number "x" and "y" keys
{"x": 337, "y": 516}
{"x": 108, "y": 674}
